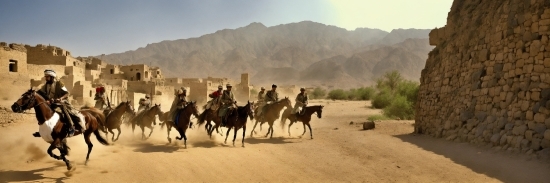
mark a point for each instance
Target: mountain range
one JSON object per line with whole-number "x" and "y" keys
{"x": 303, "y": 53}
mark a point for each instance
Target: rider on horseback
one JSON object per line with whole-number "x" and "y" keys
{"x": 301, "y": 102}
{"x": 270, "y": 97}
{"x": 56, "y": 92}
{"x": 144, "y": 103}
{"x": 228, "y": 101}
{"x": 215, "y": 96}
{"x": 100, "y": 97}
{"x": 179, "y": 103}
{"x": 261, "y": 95}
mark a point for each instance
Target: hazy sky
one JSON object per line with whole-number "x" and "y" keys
{"x": 104, "y": 26}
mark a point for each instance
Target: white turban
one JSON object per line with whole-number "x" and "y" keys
{"x": 49, "y": 72}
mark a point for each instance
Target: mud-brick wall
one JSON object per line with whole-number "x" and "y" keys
{"x": 487, "y": 81}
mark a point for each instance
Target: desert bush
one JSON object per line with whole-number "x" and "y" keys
{"x": 377, "y": 117}
{"x": 382, "y": 99}
{"x": 408, "y": 89}
{"x": 254, "y": 92}
{"x": 318, "y": 93}
{"x": 338, "y": 94}
{"x": 400, "y": 108}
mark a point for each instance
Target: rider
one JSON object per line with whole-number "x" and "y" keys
{"x": 56, "y": 92}
{"x": 261, "y": 95}
{"x": 301, "y": 101}
{"x": 179, "y": 103}
{"x": 228, "y": 101}
{"x": 215, "y": 96}
{"x": 270, "y": 97}
{"x": 100, "y": 97}
{"x": 144, "y": 103}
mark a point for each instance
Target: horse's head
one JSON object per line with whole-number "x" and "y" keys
{"x": 250, "y": 110}
{"x": 27, "y": 101}
{"x": 156, "y": 110}
{"x": 286, "y": 102}
{"x": 319, "y": 111}
{"x": 193, "y": 106}
{"x": 129, "y": 107}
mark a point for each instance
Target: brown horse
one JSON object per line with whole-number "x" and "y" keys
{"x": 183, "y": 121}
{"x": 145, "y": 119}
{"x": 237, "y": 119}
{"x": 270, "y": 114}
{"x": 207, "y": 116}
{"x": 55, "y": 132}
{"x": 304, "y": 118}
{"x": 114, "y": 118}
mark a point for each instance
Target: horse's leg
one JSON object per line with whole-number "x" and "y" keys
{"x": 184, "y": 139}
{"x": 271, "y": 128}
{"x": 119, "y": 131}
{"x": 234, "y": 135}
{"x": 226, "y": 135}
{"x": 111, "y": 131}
{"x": 310, "y": 132}
{"x": 244, "y": 131}
{"x": 142, "y": 132}
{"x": 291, "y": 122}
{"x": 150, "y": 127}
{"x": 87, "y": 135}
{"x": 64, "y": 150}
{"x": 253, "y": 128}
{"x": 268, "y": 130}
{"x": 304, "y": 128}
{"x": 50, "y": 151}
{"x": 168, "y": 129}
{"x": 133, "y": 128}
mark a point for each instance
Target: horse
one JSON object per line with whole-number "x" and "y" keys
{"x": 304, "y": 118}
{"x": 183, "y": 120}
{"x": 145, "y": 119}
{"x": 114, "y": 118}
{"x": 207, "y": 116}
{"x": 270, "y": 114}
{"x": 55, "y": 132}
{"x": 237, "y": 119}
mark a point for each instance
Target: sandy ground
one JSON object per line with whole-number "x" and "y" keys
{"x": 339, "y": 152}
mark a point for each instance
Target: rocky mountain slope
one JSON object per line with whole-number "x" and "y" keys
{"x": 296, "y": 53}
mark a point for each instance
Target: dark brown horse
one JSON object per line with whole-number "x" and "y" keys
{"x": 183, "y": 120}
{"x": 237, "y": 119}
{"x": 114, "y": 118}
{"x": 209, "y": 115}
{"x": 270, "y": 114}
{"x": 304, "y": 118}
{"x": 145, "y": 119}
{"x": 55, "y": 132}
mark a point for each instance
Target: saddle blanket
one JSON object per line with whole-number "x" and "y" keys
{"x": 46, "y": 128}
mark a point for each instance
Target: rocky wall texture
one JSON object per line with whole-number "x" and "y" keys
{"x": 487, "y": 81}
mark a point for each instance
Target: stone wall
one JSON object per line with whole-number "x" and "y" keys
{"x": 13, "y": 58}
{"x": 487, "y": 81}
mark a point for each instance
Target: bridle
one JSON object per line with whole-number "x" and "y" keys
{"x": 26, "y": 105}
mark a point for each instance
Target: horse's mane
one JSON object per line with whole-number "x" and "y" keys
{"x": 120, "y": 105}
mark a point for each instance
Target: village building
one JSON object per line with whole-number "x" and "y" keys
{"x": 25, "y": 64}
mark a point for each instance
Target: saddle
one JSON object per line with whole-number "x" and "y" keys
{"x": 66, "y": 117}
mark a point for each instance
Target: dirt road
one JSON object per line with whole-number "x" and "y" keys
{"x": 339, "y": 152}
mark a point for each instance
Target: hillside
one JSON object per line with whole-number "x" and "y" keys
{"x": 295, "y": 49}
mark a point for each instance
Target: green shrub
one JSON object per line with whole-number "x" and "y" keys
{"x": 377, "y": 117}
{"x": 366, "y": 93}
{"x": 400, "y": 108}
{"x": 390, "y": 80}
{"x": 408, "y": 89}
{"x": 318, "y": 93}
{"x": 338, "y": 94}
{"x": 254, "y": 92}
{"x": 383, "y": 99}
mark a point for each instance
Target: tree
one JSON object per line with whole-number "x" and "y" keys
{"x": 390, "y": 80}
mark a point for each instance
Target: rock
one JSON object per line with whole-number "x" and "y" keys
{"x": 540, "y": 128}
{"x": 368, "y": 125}
{"x": 540, "y": 117}
{"x": 547, "y": 134}
{"x": 495, "y": 139}
{"x": 535, "y": 144}
{"x": 520, "y": 130}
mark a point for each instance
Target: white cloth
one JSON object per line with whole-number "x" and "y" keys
{"x": 45, "y": 130}
{"x": 50, "y": 73}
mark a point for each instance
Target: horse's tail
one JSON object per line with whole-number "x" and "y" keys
{"x": 100, "y": 139}
{"x": 285, "y": 116}
{"x": 202, "y": 118}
